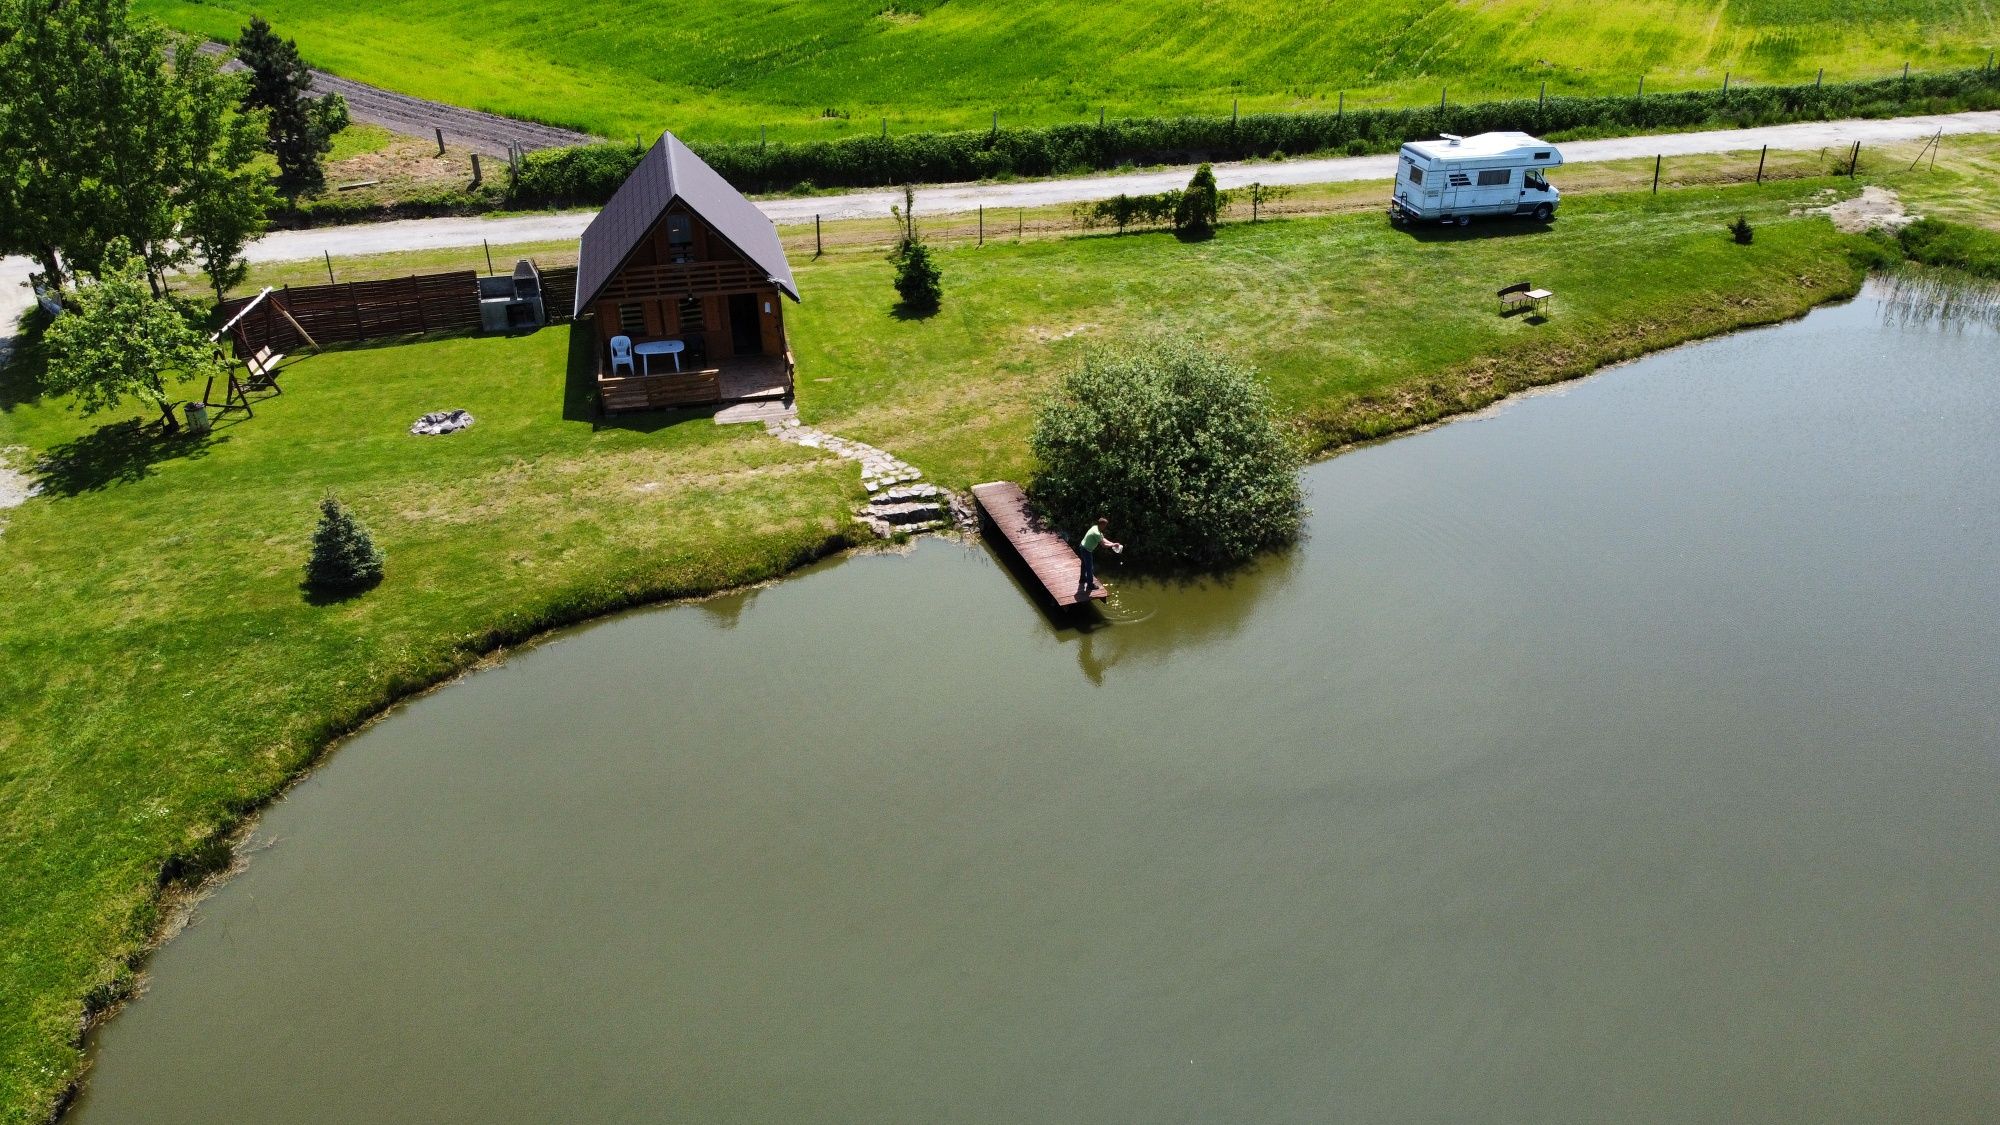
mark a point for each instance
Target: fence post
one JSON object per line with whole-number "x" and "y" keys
{"x": 1234, "y": 103}
{"x": 763, "y": 137}
{"x": 1725, "y": 81}
{"x": 1543, "y": 101}
{"x": 1442, "y": 91}
{"x": 1821, "y": 80}
{"x": 1642, "y": 85}
{"x": 1854, "y": 161}
{"x": 329, "y": 267}
{"x": 1100, "y": 117}
{"x": 440, "y": 136}
{"x": 1340, "y": 110}
{"x": 1656, "y": 174}
{"x": 478, "y": 176}
{"x": 982, "y": 224}
{"x": 1020, "y": 222}
{"x": 818, "y": 247}
{"x": 489, "y": 255}
{"x": 1760, "y": 163}
{"x": 1906, "y": 72}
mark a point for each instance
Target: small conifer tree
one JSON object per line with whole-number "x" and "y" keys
{"x": 344, "y": 555}
{"x": 1741, "y": 231}
{"x": 919, "y": 281}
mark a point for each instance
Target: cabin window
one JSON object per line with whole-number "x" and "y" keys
{"x": 1416, "y": 174}
{"x": 632, "y": 319}
{"x": 689, "y": 313}
{"x": 1495, "y": 177}
{"x": 680, "y": 237}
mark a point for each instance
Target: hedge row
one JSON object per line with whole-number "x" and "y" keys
{"x": 589, "y": 174}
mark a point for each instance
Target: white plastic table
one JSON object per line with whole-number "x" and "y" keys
{"x": 651, "y": 348}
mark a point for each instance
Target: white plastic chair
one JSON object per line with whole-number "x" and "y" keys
{"x": 621, "y": 353}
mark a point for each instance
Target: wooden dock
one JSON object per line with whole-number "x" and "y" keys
{"x": 1003, "y": 511}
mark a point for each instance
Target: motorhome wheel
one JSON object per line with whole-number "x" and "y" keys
{"x": 1544, "y": 213}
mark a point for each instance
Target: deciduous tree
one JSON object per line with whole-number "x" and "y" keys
{"x": 112, "y": 131}
{"x": 118, "y": 340}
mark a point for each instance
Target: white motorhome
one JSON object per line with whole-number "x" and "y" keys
{"x": 1452, "y": 179}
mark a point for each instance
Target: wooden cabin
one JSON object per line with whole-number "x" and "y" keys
{"x": 689, "y": 275}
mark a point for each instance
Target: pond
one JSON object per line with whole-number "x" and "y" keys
{"x": 1630, "y": 751}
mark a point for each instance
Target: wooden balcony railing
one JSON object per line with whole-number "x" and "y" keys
{"x": 694, "y": 279}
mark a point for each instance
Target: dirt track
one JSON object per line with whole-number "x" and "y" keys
{"x": 400, "y": 113}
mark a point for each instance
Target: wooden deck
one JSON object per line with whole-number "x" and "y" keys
{"x": 1003, "y": 509}
{"x": 742, "y": 379}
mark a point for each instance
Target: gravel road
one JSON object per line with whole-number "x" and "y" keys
{"x": 400, "y": 113}
{"x": 423, "y": 234}
{"x": 419, "y": 234}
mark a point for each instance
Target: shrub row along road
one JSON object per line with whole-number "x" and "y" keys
{"x": 400, "y": 113}
{"x": 428, "y": 234}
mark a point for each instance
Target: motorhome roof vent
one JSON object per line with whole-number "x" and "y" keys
{"x": 1454, "y": 138}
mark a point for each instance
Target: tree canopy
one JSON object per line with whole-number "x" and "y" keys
{"x": 1178, "y": 448}
{"x": 119, "y": 340}
{"x": 113, "y": 130}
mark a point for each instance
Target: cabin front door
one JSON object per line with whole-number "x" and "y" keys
{"x": 746, "y": 335}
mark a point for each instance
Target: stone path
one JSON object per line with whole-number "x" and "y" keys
{"x": 899, "y": 501}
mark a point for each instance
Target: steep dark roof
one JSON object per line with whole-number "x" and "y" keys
{"x": 672, "y": 171}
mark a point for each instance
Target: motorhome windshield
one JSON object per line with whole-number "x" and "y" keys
{"x": 1535, "y": 180}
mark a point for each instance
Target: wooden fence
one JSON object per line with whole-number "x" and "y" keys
{"x": 374, "y": 310}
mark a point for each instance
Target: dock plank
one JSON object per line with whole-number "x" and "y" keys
{"x": 1051, "y": 560}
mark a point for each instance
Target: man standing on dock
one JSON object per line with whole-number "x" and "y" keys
{"x": 1086, "y": 550}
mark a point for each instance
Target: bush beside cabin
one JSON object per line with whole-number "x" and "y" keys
{"x": 1455, "y": 178}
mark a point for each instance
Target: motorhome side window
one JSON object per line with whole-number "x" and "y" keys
{"x": 1494, "y": 177}
{"x": 1535, "y": 180}
{"x": 1416, "y": 174}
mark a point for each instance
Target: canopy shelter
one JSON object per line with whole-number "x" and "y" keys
{"x": 679, "y": 256}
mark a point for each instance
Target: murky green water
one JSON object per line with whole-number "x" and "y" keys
{"x": 1633, "y": 753}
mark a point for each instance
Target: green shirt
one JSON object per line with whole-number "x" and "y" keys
{"x": 1091, "y": 539}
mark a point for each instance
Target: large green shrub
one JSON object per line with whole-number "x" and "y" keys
{"x": 1178, "y": 448}
{"x": 1199, "y": 206}
{"x": 590, "y": 174}
{"x": 344, "y": 556}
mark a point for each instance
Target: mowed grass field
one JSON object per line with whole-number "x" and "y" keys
{"x": 724, "y": 69}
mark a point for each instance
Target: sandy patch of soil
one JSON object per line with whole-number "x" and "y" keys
{"x": 1875, "y": 208}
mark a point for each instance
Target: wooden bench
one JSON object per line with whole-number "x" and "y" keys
{"x": 263, "y": 368}
{"x": 1523, "y": 295}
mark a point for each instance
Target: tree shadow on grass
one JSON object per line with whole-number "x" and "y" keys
{"x": 117, "y": 453}
{"x": 325, "y": 596}
{"x": 22, "y": 365}
{"x": 903, "y": 310}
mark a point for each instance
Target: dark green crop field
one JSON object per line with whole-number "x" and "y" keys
{"x": 726, "y": 69}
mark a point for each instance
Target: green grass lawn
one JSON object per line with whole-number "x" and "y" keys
{"x": 721, "y": 69}
{"x": 161, "y": 672}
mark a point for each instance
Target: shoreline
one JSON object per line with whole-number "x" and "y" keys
{"x": 188, "y": 877}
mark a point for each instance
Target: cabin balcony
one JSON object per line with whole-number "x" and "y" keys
{"x": 699, "y": 382}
